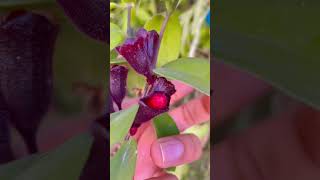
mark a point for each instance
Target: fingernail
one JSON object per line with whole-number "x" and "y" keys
{"x": 171, "y": 150}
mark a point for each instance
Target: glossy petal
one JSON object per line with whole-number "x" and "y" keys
{"x": 146, "y": 111}
{"x": 161, "y": 84}
{"x": 90, "y": 16}
{"x": 140, "y": 52}
{"x": 118, "y": 83}
{"x": 26, "y": 49}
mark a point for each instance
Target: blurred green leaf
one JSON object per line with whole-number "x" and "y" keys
{"x": 192, "y": 71}
{"x": 201, "y": 130}
{"x": 171, "y": 42}
{"x": 122, "y": 165}
{"x": 64, "y": 163}
{"x": 116, "y": 36}
{"x": 135, "y": 81}
{"x": 129, "y": 1}
{"x": 165, "y": 126}
{"x": 171, "y": 5}
{"x": 12, "y": 3}
{"x": 77, "y": 59}
{"x": 120, "y": 123}
{"x": 117, "y": 61}
{"x": 267, "y": 39}
{"x": 113, "y": 5}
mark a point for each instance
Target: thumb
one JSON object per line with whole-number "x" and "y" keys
{"x": 176, "y": 150}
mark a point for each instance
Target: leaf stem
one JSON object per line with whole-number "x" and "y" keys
{"x": 129, "y": 28}
{"x": 163, "y": 28}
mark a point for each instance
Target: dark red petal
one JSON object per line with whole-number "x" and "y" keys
{"x": 26, "y": 49}
{"x": 156, "y": 102}
{"x": 118, "y": 83}
{"x": 90, "y": 16}
{"x": 161, "y": 84}
{"x": 146, "y": 113}
{"x": 140, "y": 51}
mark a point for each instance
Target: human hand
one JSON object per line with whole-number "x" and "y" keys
{"x": 284, "y": 147}
{"x": 154, "y": 155}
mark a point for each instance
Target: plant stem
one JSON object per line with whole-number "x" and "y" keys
{"x": 195, "y": 42}
{"x": 129, "y": 28}
{"x": 163, "y": 28}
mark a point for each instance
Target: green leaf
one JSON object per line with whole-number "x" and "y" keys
{"x": 135, "y": 81}
{"x": 171, "y": 42}
{"x": 114, "y": 59}
{"x": 11, "y": 170}
{"x": 118, "y": 61}
{"x": 113, "y": 5}
{"x": 165, "y": 126}
{"x": 77, "y": 59}
{"x": 64, "y": 163}
{"x": 129, "y": 1}
{"x": 192, "y": 71}
{"x": 120, "y": 124}
{"x": 116, "y": 36}
{"x": 265, "y": 38}
{"x": 122, "y": 165}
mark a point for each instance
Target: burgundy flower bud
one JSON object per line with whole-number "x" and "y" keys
{"x": 155, "y": 103}
{"x": 26, "y": 49}
{"x": 140, "y": 52}
{"x": 118, "y": 84}
{"x": 89, "y": 16}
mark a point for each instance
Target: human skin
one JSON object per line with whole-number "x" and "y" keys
{"x": 154, "y": 155}
{"x": 285, "y": 146}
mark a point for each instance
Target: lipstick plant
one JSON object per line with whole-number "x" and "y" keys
{"x": 144, "y": 59}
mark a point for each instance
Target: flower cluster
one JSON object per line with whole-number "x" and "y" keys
{"x": 141, "y": 53}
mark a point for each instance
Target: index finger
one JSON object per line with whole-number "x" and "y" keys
{"x": 194, "y": 112}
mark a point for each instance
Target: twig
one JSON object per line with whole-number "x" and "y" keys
{"x": 195, "y": 41}
{"x": 163, "y": 28}
{"x": 129, "y": 28}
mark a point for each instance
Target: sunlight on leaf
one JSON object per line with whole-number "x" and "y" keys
{"x": 122, "y": 165}
{"x": 120, "y": 123}
{"x": 116, "y": 36}
{"x": 192, "y": 71}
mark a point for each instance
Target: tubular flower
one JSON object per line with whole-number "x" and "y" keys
{"x": 154, "y": 103}
{"x": 140, "y": 52}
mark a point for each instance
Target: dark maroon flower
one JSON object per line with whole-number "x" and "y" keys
{"x": 141, "y": 52}
{"x": 6, "y": 153}
{"x": 154, "y": 103}
{"x": 118, "y": 84}
{"x": 90, "y": 16}
{"x": 110, "y": 108}
{"x": 26, "y": 49}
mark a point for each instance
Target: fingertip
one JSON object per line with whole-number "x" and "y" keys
{"x": 176, "y": 150}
